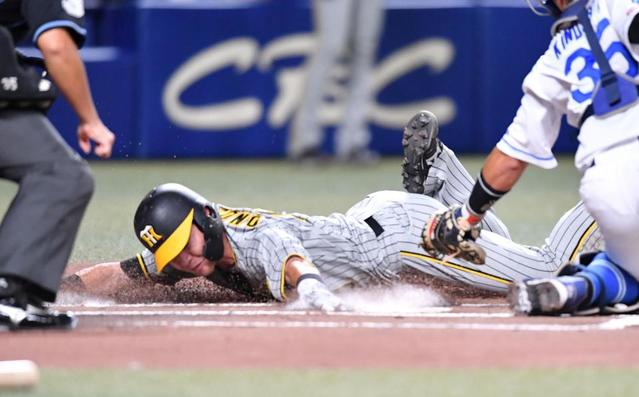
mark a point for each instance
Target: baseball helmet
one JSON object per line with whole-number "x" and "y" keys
{"x": 548, "y": 7}
{"x": 163, "y": 222}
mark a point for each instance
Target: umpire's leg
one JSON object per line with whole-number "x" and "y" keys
{"x": 55, "y": 186}
{"x": 367, "y": 22}
{"x": 330, "y": 20}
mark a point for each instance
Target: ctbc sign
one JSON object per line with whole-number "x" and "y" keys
{"x": 220, "y": 78}
{"x": 244, "y": 53}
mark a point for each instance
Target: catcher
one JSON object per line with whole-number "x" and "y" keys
{"x": 254, "y": 250}
{"x": 589, "y": 74}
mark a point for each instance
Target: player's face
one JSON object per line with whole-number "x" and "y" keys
{"x": 191, "y": 259}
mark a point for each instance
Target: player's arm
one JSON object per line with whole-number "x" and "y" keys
{"x": 101, "y": 279}
{"x": 306, "y": 279}
{"x": 502, "y": 171}
{"x": 287, "y": 263}
{"x": 67, "y": 70}
{"x": 110, "y": 277}
{"x": 528, "y": 140}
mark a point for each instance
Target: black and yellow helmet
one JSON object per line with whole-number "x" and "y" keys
{"x": 163, "y": 222}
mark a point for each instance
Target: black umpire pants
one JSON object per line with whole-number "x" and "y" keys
{"x": 54, "y": 189}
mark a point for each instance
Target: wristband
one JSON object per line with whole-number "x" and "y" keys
{"x": 307, "y": 276}
{"x": 482, "y": 197}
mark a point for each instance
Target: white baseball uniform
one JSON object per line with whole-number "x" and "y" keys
{"x": 562, "y": 83}
{"x": 381, "y": 234}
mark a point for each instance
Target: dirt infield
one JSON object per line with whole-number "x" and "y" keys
{"x": 430, "y": 324}
{"x": 473, "y": 334}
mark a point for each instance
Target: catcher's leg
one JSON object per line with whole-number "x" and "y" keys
{"x": 599, "y": 286}
{"x": 421, "y": 147}
{"x": 548, "y": 296}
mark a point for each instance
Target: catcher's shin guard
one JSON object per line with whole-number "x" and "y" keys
{"x": 447, "y": 235}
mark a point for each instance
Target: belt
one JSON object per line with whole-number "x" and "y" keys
{"x": 374, "y": 225}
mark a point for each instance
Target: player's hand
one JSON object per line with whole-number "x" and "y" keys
{"x": 316, "y": 295}
{"x": 99, "y": 134}
{"x": 448, "y": 233}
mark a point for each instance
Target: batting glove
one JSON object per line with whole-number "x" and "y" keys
{"x": 316, "y": 295}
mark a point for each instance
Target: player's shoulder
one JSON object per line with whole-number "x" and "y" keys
{"x": 240, "y": 218}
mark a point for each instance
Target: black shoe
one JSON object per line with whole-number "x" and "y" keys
{"x": 421, "y": 147}
{"x": 20, "y": 311}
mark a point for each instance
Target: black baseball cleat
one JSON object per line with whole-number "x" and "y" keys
{"x": 421, "y": 147}
{"x": 549, "y": 296}
{"x": 16, "y": 317}
{"x": 20, "y": 311}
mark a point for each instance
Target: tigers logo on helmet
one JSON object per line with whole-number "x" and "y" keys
{"x": 149, "y": 236}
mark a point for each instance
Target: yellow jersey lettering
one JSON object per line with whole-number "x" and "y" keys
{"x": 253, "y": 221}
{"x": 226, "y": 213}
{"x": 241, "y": 217}
{"x": 250, "y": 219}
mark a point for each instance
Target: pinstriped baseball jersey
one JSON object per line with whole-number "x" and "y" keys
{"x": 348, "y": 252}
{"x": 506, "y": 260}
{"x": 344, "y": 249}
{"x": 381, "y": 234}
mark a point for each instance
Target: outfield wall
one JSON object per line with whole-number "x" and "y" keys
{"x": 222, "y": 78}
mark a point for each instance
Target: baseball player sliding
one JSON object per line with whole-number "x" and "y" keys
{"x": 590, "y": 74}
{"x": 251, "y": 249}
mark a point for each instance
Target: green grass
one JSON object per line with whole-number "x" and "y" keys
{"x": 107, "y": 232}
{"x": 337, "y": 383}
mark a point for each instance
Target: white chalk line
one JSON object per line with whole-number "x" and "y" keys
{"x": 619, "y": 322}
{"x": 440, "y": 313}
{"x": 611, "y": 325}
{"x": 249, "y": 305}
{"x": 484, "y": 305}
{"x": 169, "y": 305}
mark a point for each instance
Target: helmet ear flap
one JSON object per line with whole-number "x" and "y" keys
{"x": 213, "y": 229}
{"x": 214, "y": 237}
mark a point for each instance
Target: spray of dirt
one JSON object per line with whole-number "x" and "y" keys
{"x": 398, "y": 298}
